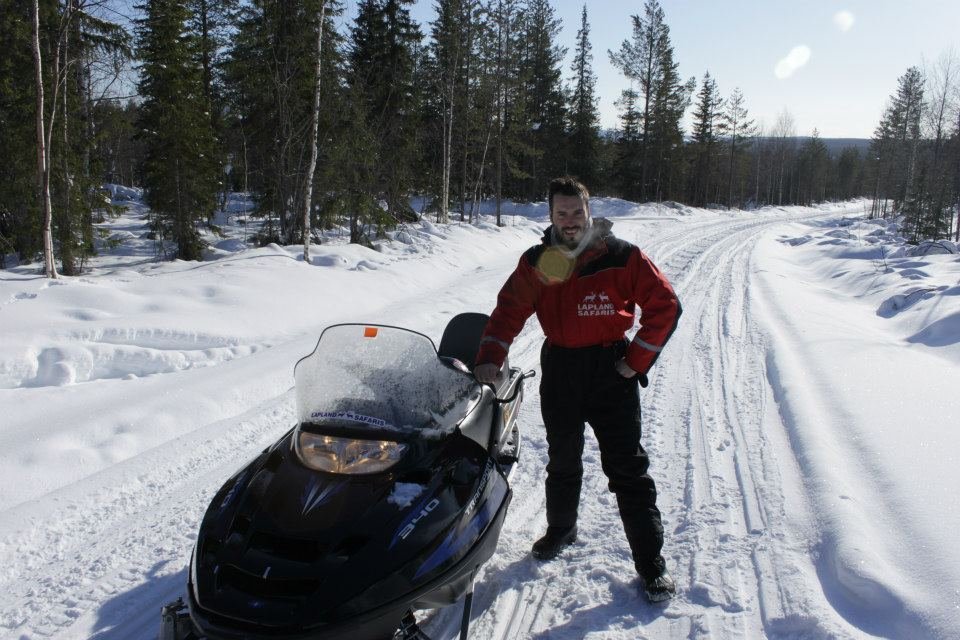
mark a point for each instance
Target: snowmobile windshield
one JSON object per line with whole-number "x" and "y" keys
{"x": 383, "y": 380}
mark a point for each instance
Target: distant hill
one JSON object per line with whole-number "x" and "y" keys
{"x": 834, "y": 145}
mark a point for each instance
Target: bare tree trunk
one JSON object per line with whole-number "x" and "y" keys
{"x": 500, "y": 106}
{"x": 449, "y": 89}
{"x": 43, "y": 169}
{"x": 756, "y": 189}
{"x": 246, "y": 170}
{"x": 733, "y": 151}
{"x": 499, "y": 166}
{"x": 956, "y": 186}
{"x": 68, "y": 258}
{"x": 314, "y": 127}
{"x": 475, "y": 206}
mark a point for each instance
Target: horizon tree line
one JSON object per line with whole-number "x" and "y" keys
{"x": 339, "y": 129}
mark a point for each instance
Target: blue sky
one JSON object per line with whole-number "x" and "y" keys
{"x": 852, "y": 60}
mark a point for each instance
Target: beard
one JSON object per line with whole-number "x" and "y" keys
{"x": 575, "y": 242}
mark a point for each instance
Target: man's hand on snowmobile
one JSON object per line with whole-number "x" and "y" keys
{"x": 486, "y": 373}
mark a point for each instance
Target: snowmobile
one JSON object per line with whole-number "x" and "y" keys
{"x": 384, "y": 499}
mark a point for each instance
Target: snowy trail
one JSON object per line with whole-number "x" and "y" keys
{"x": 726, "y": 535}
{"x": 731, "y": 508}
{"x": 98, "y": 557}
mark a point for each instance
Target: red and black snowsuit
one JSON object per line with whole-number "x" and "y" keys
{"x": 585, "y": 305}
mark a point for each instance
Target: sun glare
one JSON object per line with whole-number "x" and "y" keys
{"x": 797, "y": 58}
{"x": 843, "y": 20}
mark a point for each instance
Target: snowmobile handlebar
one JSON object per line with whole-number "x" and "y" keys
{"x": 516, "y": 388}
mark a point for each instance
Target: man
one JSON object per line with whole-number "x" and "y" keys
{"x": 585, "y": 286}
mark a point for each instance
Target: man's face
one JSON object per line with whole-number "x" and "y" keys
{"x": 569, "y": 217}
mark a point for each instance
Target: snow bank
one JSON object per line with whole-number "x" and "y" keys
{"x": 863, "y": 357}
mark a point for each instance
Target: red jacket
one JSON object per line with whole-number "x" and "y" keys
{"x": 587, "y": 302}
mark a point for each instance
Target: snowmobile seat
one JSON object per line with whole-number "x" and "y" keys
{"x": 461, "y": 337}
{"x": 461, "y": 340}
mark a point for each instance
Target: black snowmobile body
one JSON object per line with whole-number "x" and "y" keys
{"x": 385, "y": 498}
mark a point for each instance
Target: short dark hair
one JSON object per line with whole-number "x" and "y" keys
{"x": 567, "y": 186}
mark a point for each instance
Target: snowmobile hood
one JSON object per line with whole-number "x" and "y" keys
{"x": 286, "y": 547}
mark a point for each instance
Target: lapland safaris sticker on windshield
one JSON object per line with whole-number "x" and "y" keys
{"x": 350, "y": 416}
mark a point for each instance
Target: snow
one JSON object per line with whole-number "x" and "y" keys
{"x": 404, "y": 493}
{"x": 802, "y": 423}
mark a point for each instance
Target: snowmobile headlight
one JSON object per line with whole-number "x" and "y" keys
{"x": 347, "y": 455}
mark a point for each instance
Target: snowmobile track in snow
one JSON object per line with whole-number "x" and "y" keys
{"x": 117, "y": 548}
{"x": 708, "y": 418}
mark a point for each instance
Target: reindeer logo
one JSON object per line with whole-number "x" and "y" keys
{"x": 596, "y": 304}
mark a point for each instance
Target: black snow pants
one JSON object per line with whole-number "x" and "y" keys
{"x": 582, "y": 385}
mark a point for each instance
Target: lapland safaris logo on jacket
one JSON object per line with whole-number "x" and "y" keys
{"x": 596, "y": 304}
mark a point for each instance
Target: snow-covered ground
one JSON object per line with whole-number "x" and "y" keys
{"x": 803, "y": 422}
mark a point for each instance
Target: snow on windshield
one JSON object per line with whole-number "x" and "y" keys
{"x": 383, "y": 377}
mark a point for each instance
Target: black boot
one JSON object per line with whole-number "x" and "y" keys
{"x": 658, "y": 585}
{"x": 549, "y": 546}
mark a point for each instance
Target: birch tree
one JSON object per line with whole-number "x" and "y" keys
{"x": 314, "y": 128}
{"x": 43, "y": 165}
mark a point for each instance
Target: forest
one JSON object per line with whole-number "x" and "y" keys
{"x": 328, "y": 120}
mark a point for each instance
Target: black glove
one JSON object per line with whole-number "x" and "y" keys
{"x": 642, "y": 379}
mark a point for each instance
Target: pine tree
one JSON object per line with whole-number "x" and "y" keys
{"x": 627, "y": 156}
{"x": 101, "y": 50}
{"x": 211, "y": 24}
{"x": 270, "y": 79}
{"x": 446, "y": 102}
{"x": 180, "y": 169}
{"x": 704, "y": 139}
{"x": 507, "y": 67}
{"x": 896, "y": 145}
{"x": 671, "y": 101}
{"x": 383, "y": 61}
{"x": 474, "y": 139}
{"x": 647, "y": 60}
{"x": 849, "y": 173}
{"x": 20, "y": 221}
{"x": 545, "y": 110}
{"x": 71, "y": 40}
{"x": 584, "y": 138}
{"x": 814, "y": 165}
{"x": 738, "y": 127}
{"x": 459, "y": 108}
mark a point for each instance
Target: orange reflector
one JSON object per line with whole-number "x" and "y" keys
{"x": 370, "y": 332}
